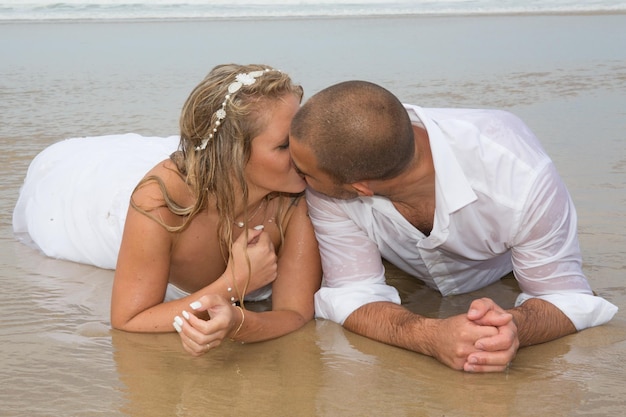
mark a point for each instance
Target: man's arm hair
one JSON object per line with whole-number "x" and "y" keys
{"x": 539, "y": 321}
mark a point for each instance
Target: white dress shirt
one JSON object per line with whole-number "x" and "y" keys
{"x": 500, "y": 206}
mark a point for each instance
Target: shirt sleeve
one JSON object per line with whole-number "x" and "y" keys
{"x": 546, "y": 255}
{"x": 354, "y": 274}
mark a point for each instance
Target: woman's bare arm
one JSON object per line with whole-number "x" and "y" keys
{"x": 144, "y": 264}
{"x": 299, "y": 277}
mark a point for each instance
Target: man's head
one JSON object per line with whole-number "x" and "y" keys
{"x": 350, "y": 132}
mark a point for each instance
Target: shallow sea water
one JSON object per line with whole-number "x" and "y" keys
{"x": 564, "y": 75}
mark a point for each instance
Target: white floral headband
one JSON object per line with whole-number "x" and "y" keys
{"x": 240, "y": 80}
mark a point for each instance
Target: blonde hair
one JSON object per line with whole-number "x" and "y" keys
{"x": 216, "y": 173}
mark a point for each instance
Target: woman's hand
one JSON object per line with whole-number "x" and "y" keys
{"x": 263, "y": 265}
{"x": 198, "y": 336}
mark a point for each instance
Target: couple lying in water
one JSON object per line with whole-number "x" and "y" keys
{"x": 195, "y": 226}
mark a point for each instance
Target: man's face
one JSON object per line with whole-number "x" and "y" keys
{"x": 306, "y": 164}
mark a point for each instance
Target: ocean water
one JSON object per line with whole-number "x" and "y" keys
{"x": 565, "y": 75}
{"x": 18, "y": 10}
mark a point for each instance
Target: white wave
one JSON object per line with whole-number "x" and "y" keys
{"x": 181, "y": 9}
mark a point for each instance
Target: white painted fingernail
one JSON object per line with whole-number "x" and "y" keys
{"x": 195, "y": 305}
{"x": 186, "y": 315}
{"x": 177, "y": 327}
{"x": 178, "y": 320}
{"x": 259, "y": 227}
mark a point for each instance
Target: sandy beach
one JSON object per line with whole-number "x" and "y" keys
{"x": 564, "y": 75}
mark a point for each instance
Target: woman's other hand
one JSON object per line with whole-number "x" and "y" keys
{"x": 263, "y": 260}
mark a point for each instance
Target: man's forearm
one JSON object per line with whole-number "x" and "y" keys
{"x": 392, "y": 324}
{"x": 449, "y": 340}
{"x": 539, "y": 321}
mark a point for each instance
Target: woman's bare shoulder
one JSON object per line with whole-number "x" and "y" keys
{"x": 163, "y": 179}
{"x": 292, "y": 207}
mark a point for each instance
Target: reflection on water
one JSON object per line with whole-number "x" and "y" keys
{"x": 59, "y": 356}
{"x": 245, "y": 380}
{"x": 61, "y": 344}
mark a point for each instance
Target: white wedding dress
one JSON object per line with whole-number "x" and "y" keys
{"x": 76, "y": 194}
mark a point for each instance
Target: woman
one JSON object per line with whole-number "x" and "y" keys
{"x": 220, "y": 218}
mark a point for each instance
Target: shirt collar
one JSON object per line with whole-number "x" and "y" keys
{"x": 452, "y": 188}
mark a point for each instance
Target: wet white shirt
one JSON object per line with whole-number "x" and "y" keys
{"x": 500, "y": 206}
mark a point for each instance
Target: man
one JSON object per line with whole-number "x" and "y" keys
{"x": 457, "y": 198}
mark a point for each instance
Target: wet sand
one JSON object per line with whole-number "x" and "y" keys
{"x": 564, "y": 75}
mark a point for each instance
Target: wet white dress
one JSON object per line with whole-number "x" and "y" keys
{"x": 76, "y": 194}
{"x": 74, "y": 199}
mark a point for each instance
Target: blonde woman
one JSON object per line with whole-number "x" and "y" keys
{"x": 221, "y": 218}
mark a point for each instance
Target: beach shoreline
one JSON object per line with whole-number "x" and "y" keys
{"x": 559, "y": 73}
{"x": 315, "y": 17}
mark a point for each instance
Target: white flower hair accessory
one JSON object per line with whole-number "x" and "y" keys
{"x": 240, "y": 81}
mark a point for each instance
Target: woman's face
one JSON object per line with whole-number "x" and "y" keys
{"x": 270, "y": 168}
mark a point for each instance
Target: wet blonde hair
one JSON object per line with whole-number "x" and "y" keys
{"x": 216, "y": 173}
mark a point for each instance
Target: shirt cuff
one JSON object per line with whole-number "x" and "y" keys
{"x": 336, "y": 304}
{"x": 584, "y": 310}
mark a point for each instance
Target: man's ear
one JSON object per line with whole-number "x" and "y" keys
{"x": 362, "y": 188}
